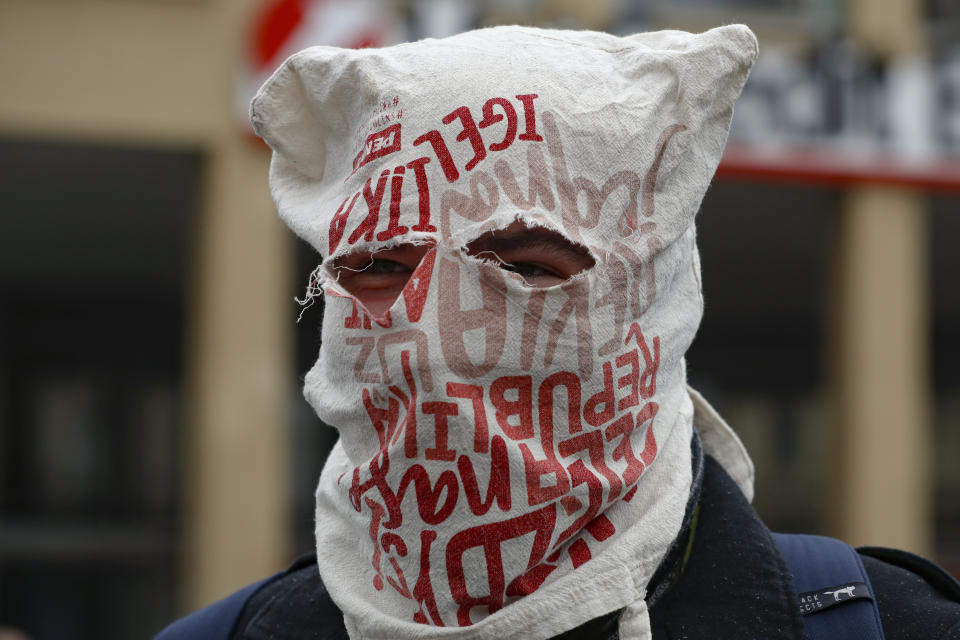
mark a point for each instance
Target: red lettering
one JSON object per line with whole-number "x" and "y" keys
{"x": 386, "y": 321}
{"x": 384, "y": 421}
{"x": 394, "y": 228}
{"x": 623, "y": 427}
{"x": 498, "y": 488}
{"x": 545, "y": 401}
{"x": 538, "y": 184}
{"x": 435, "y": 502}
{"x": 651, "y": 361}
{"x": 357, "y": 489}
{"x": 373, "y": 200}
{"x": 489, "y": 118}
{"x": 530, "y": 581}
{"x": 400, "y": 584}
{"x": 472, "y": 207}
{"x": 423, "y": 194}
{"x": 428, "y": 496}
{"x": 469, "y": 132}
{"x": 410, "y": 404}
{"x": 536, "y": 469}
{"x": 358, "y": 319}
{"x": 490, "y": 537}
{"x": 648, "y": 383}
{"x": 617, "y": 275}
{"x": 580, "y": 475}
{"x": 529, "y": 118}
{"x": 474, "y": 393}
{"x": 522, "y": 407}
{"x": 376, "y": 515}
{"x": 440, "y": 412}
{"x": 569, "y": 189}
{"x": 531, "y": 325}
{"x": 631, "y": 380}
{"x": 391, "y": 540}
{"x": 648, "y": 412}
{"x": 339, "y": 221}
{"x": 415, "y": 291}
{"x": 579, "y": 552}
{"x": 423, "y": 589}
{"x": 455, "y": 322}
{"x": 366, "y": 344}
{"x": 578, "y": 306}
{"x": 378, "y": 145}
{"x": 600, "y": 528}
{"x": 642, "y": 273}
{"x": 592, "y": 443}
{"x": 442, "y": 153}
{"x": 418, "y": 339}
{"x": 604, "y": 398}
{"x": 650, "y": 180}
{"x": 379, "y": 466}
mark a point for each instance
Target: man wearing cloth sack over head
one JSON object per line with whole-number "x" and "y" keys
{"x": 510, "y": 277}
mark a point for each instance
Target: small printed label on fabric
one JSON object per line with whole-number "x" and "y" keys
{"x": 378, "y": 144}
{"x": 821, "y": 599}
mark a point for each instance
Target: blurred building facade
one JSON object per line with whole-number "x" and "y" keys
{"x": 155, "y": 453}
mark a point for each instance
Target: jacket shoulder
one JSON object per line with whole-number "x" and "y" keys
{"x": 289, "y": 605}
{"x": 916, "y": 598}
{"x": 215, "y": 621}
{"x": 295, "y": 605}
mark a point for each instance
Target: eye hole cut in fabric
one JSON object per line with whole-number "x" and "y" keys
{"x": 376, "y": 277}
{"x": 539, "y": 257}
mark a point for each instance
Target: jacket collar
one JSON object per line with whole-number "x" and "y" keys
{"x": 735, "y": 583}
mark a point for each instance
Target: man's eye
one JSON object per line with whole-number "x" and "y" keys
{"x": 529, "y": 269}
{"x": 381, "y": 266}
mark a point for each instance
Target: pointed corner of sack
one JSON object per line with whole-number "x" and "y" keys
{"x": 742, "y": 38}
{"x": 722, "y": 442}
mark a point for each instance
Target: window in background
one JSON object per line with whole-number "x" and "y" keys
{"x": 758, "y": 356}
{"x": 92, "y": 272}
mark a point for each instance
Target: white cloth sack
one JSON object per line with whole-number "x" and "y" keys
{"x": 512, "y": 461}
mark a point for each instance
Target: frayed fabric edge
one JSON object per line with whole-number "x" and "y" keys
{"x": 315, "y": 288}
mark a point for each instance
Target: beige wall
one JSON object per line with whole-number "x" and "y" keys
{"x": 881, "y": 492}
{"x": 159, "y": 74}
{"x": 880, "y": 489}
{"x": 138, "y": 72}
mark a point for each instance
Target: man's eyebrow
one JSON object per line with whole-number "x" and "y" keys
{"x": 537, "y": 238}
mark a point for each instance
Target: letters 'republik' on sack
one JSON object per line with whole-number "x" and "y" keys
{"x": 501, "y": 442}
